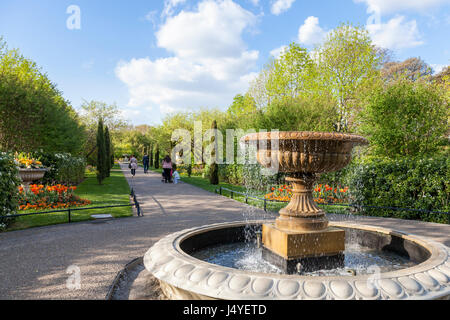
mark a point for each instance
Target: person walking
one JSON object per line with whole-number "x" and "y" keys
{"x": 167, "y": 168}
{"x": 134, "y": 165}
{"x": 146, "y": 162}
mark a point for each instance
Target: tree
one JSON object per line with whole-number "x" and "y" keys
{"x": 347, "y": 63}
{"x": 291, "y": 75}
{"x": 107, "y": 152}
{"x": 314, "y": 113}
{"x": 33, "y": 113}
{"x": 101, "y": 153}
{"x": 405, "y": 118}
{"x": 412, "y": 69}
{"x": 93, "y": 110}
{"x": 157, "y": 157}
{"x": 151, "y": 156}
{"x": 214, "y": 168}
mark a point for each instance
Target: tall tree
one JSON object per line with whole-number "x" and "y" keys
{"x": 412, "y": 69}
{"x": 101, "y": 153}
{"x": 107, "y": 152}
{"x": 157, "y": 157}
{"x": 214, "y": 167}
{"x": 348, "y": 62}
{"x": 33, "y": 113}
{"x": 292, "y": 74}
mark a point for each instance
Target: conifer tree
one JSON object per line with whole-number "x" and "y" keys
{"x": 101, "y": 151}
{"x": 157, "y": 157}
{"x": 107, "y": 152}
{"x": 214, "y": 168}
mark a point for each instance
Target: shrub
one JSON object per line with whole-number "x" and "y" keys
{"x": 416, "y": 183}
{"x": 9, "y": 183}
{"x": 405, "y": 118}
{"x": 63, "y": 168}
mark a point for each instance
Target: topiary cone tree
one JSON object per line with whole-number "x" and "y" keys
{"x": 101, "y": 153}
{"x": 157, "y": 157}
{"x": 107, "y": 152}
{"x": 214, "y": 168}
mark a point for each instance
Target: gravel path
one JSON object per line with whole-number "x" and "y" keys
{"x": 34, "y": 262}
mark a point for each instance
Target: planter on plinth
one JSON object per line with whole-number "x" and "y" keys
{"x": 300, "y": 237}
{"x": 28, "y": 175}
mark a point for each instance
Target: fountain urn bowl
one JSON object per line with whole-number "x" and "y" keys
{"x": 301, "y": 233}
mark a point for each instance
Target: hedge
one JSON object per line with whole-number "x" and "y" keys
{"x": 9, "y": 182}
{"x": 414, "y": 183}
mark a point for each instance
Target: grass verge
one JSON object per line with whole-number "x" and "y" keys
{"x": 113, "y": 191}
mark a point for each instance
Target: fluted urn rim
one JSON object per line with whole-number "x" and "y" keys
{"x": 305, "y": 135}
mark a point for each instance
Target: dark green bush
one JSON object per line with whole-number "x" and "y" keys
{"x": 407, "y": 183}
{"x": 9, "y": 182}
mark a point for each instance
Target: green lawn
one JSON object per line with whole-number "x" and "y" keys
{"x": 113, "y": 191}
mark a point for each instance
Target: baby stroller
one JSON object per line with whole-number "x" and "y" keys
{"x": 169, "y": 178}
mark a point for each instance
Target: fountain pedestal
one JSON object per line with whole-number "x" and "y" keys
{"x": 300, "y": 239}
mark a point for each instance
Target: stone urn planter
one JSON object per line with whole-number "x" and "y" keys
{"x": 30, "y": 175}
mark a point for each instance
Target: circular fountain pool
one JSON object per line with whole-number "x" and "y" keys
{"x": 222, "y": 261}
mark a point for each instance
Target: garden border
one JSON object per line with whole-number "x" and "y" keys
{"x": 247, "y": 196}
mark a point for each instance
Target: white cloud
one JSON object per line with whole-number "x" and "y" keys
{"x": 276, "y": 53}
{"x": 391, "y": 6}
{"x": 169, "y": 6}
{"x": 280, "y": 6}
{"x": 151, "y": 17}
{"x": 310, "y": 32}
{"x": 210, "y": 62}
{"x": 438, "y": 67}
{"x": 395, "y": 34}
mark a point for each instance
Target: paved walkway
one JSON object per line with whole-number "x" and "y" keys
{"x": 33, "y": 262}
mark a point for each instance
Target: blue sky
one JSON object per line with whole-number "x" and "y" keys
{"x": 154, "y": 57}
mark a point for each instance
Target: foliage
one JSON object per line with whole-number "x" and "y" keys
{"x": 299, "y": 114}
{"x": 33, "y": 113}
{"x": 418, "y": 183}
{"x": 101, "y": 153}
{"x": 63, "y": 168}
{"x": 347, "y": 62}
{"x": 411, "y": 69}
{"x": 9, "y": 182}
{"x": 292, "y": 74}
{"x": 112, "y": 117}
{"x": 405, "y": 118}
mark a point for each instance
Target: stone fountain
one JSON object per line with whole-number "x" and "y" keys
{"x": 300, "y": 238}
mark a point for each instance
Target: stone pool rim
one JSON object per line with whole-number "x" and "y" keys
{"x": 184, "y": 277}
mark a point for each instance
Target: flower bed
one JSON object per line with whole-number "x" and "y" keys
{"x": 40, "y": 197}
{"x": 322, "y": 194}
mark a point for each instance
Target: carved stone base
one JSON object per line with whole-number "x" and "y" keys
{"x": 295, "y": 245}
{"x": 300, "y": 265}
